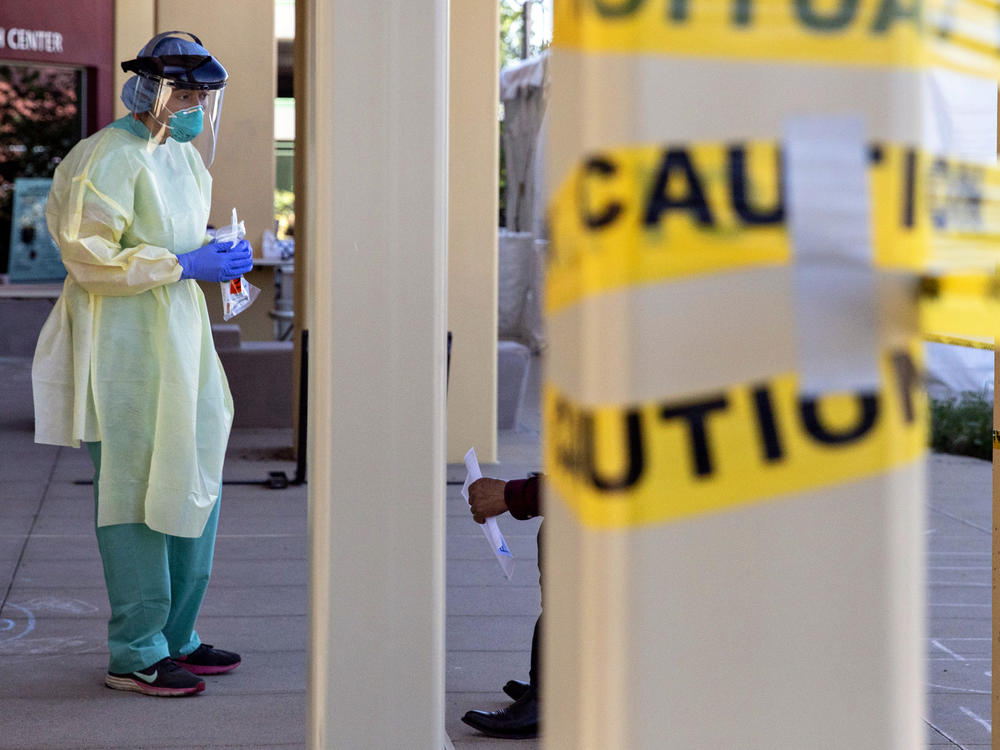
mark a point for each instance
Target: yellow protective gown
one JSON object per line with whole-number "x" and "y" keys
{"x": 126, "y": 357}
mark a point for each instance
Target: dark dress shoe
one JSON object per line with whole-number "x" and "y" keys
{"x": 519, "y": 721}
{"x": 515, "y": 688}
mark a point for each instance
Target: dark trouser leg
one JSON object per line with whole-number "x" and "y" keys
{"x": 519, "y": 720}
{"x": 535, "y": 674}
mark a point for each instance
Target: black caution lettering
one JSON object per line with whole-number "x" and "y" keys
{"x": 695, "y": 414}
{"x": 678, "y": 10}
{"x": 633, "y": 454}
{"x": 742, "y": 12}
{"x": 596, "y": 167}
{"x": 908, "y": 381}
{"x": 739, "y": 185}
{"x": 574, "y": 436}
{"x": 564, "y": 436}
{"x": 840, "y": 17}
{"x": 822, "y": 16}
{"x": 891, "y": 11}
{"x": 676, "y": 165}
{"x": 809, "y": 410}
{"x": 766, "y": 424}
{"x": 610, "y": 9}
{"x": 909, "y": 187}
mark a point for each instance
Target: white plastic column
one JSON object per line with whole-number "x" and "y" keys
{"x": 794, "y": 621}
{"x": 473, "y": 143}
{"x": 378, "y": 115}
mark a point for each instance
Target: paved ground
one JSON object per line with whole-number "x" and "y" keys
{"x": 490, "y": 619}
{"x": 53, "y": 619}
{"x": 53, "y": 607}
{"x": 959, "y": 590}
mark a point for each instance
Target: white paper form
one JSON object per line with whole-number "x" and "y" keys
{"x": 490, "y": 529}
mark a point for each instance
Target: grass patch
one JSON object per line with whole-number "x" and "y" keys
{"x": 963, "y": 426}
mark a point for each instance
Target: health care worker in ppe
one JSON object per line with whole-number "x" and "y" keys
{"x": 126, "y": 363}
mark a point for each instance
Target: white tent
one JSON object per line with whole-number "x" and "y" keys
{"x": 524, "y": 93}
{"x": 952, "y": 370}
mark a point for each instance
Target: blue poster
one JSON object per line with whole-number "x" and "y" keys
{"x": 34, "y": 256}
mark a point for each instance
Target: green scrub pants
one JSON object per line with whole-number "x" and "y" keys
{"x": 156, "y": 583}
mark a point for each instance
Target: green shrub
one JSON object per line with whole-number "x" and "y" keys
{"x": 963, "y": 426}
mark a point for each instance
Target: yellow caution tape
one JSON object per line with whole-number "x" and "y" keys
{"x": 967, "y": 341}
{"x": 961, "y": 309}
{"x": 655, "y": 462}
{"x": 960, "y": 34}
{"x": 651, "y": 213}
{"x": 647, "y": 213}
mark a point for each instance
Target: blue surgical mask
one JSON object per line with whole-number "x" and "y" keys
{"x": 187, "y": 123}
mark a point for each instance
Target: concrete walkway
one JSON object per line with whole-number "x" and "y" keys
{"x": 53, "y": 607}
{"x": 959, "y": 578}
{"x": 53, "y": 652}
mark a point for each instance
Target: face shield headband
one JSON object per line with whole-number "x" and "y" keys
{"x": 181, "y": 69}
{"x": 177, "y": 93}
{"x": 180, "y": 60}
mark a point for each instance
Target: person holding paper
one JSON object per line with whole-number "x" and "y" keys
{"x": 490, "y": 497}
{"x": 491, "y": 531}
{"x": 126, "y": 364}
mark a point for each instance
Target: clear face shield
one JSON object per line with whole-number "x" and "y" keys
{"x": 188, "y": 115}
{"x": 176, "y": 93}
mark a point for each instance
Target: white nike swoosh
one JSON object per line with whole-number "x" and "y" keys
{"x": 147, "y": 677}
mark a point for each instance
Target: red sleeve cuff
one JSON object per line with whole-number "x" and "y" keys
{"x": 522, "y": 498}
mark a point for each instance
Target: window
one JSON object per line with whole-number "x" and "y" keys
{"x": 42, "y": 115}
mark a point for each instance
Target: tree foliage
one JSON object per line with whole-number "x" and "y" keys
{"x": 511, "y": 24}
{"x": 512, "y": 29}
{"x": 963, "y": 426}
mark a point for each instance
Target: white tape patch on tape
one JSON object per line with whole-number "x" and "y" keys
{"x": 830, "y": 228}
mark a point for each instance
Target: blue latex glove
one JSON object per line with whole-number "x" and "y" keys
{"x": 217, "y": 261}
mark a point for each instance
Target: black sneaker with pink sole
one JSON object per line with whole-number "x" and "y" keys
{"x": 208, "y": 660}
{"x": 164, "y": 679}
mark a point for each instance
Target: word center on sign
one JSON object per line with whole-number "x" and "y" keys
{"x": 31, "y": 40}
